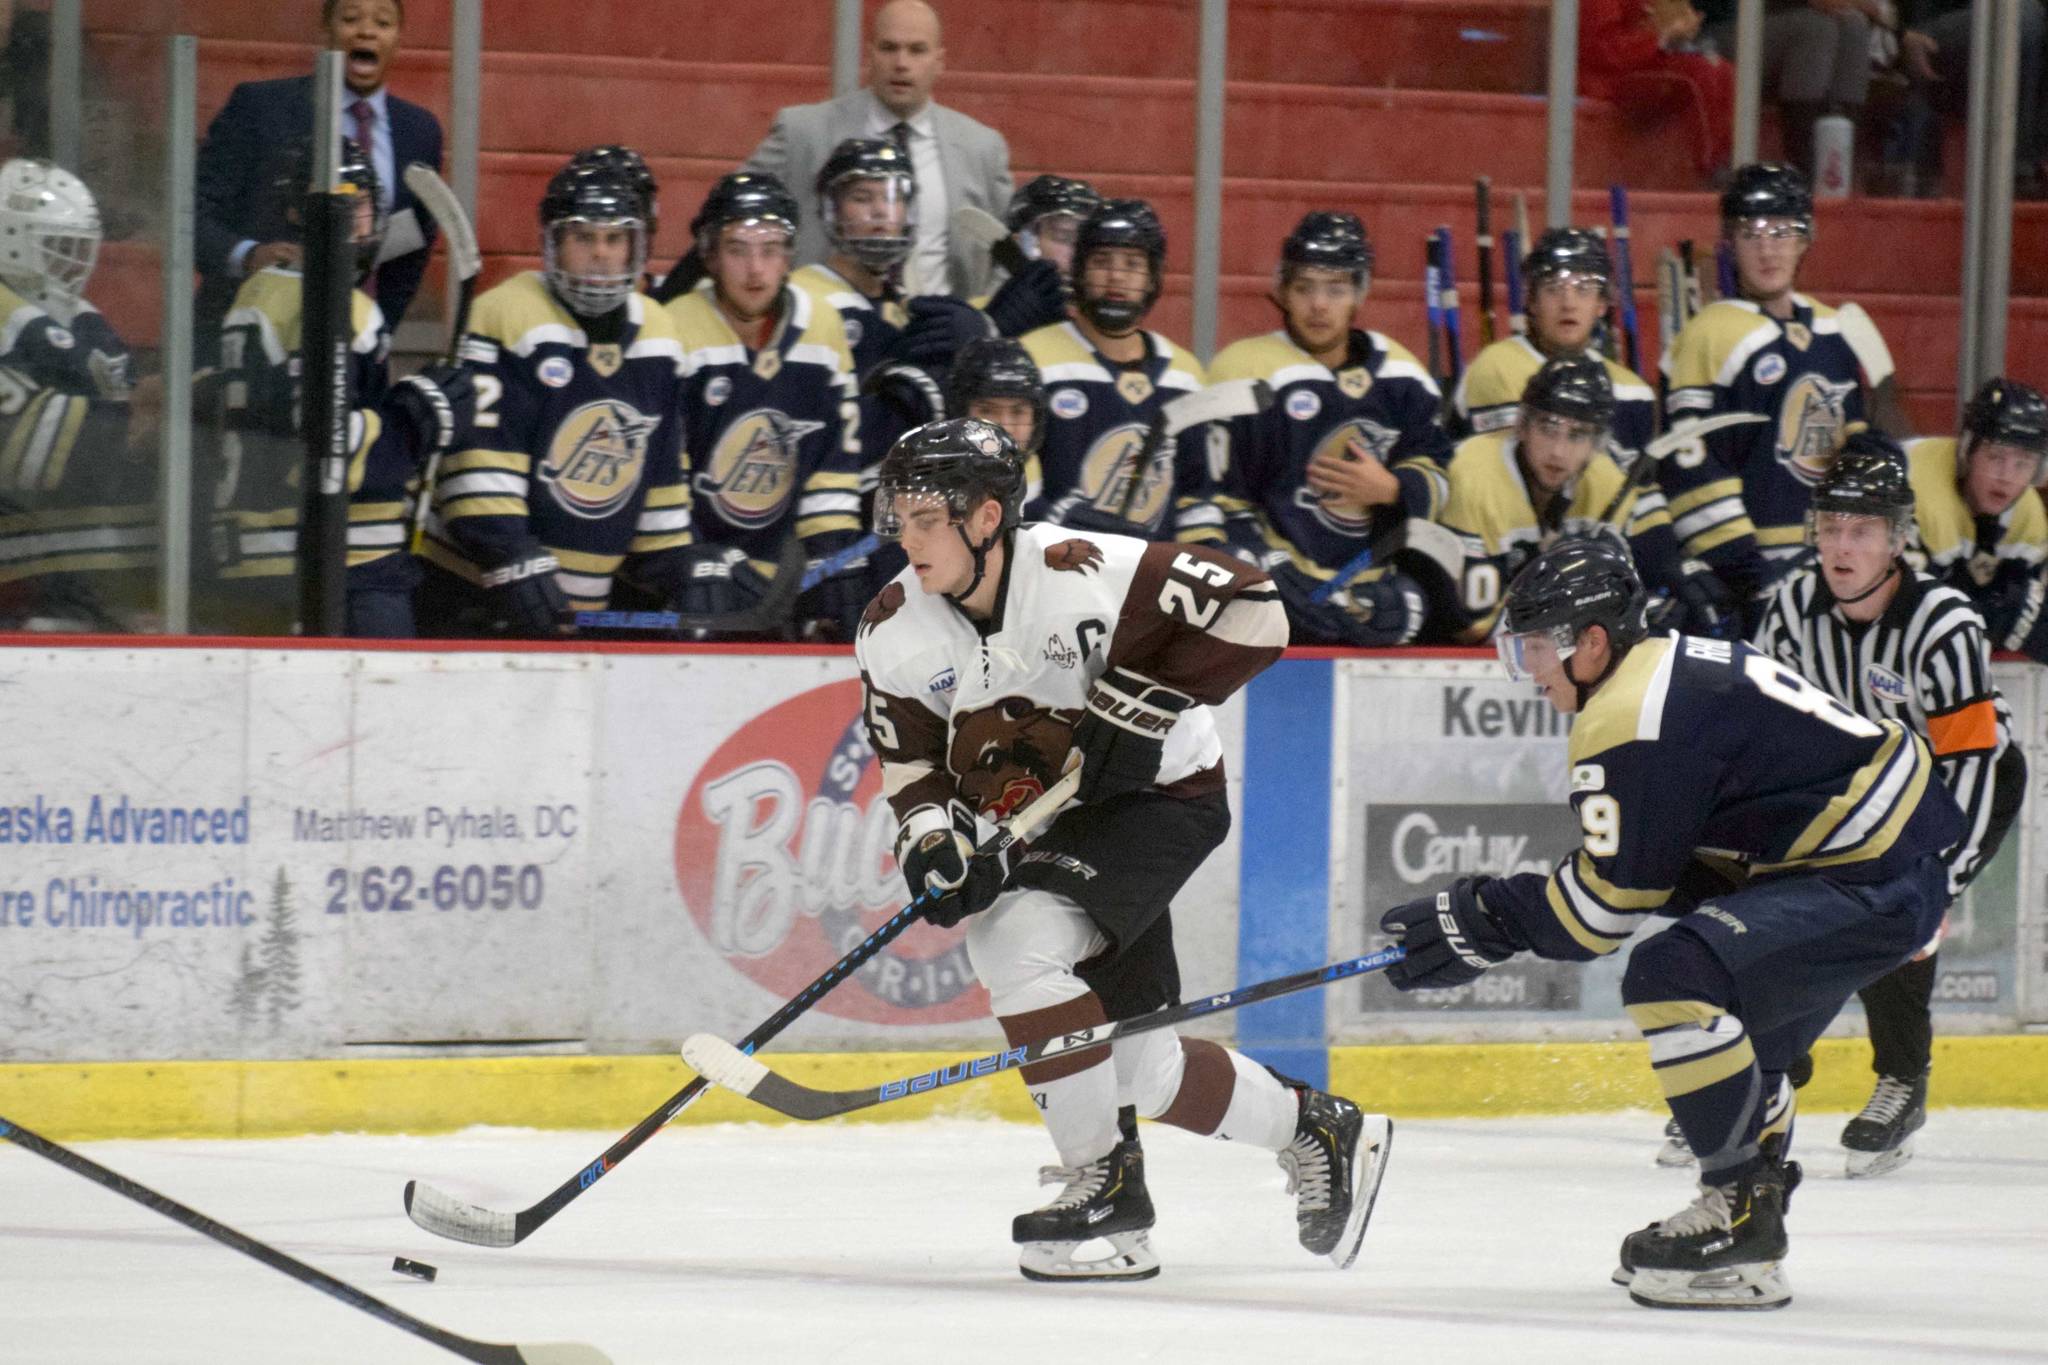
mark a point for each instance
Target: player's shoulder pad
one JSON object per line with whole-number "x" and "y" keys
{"x": 1718, "y": 341}
{"x": 654, "y": 331}
{"x": 519, "y": 316}
{"x": 1629, "y": 387}
{"x": 2029, "y": 519}
{"x": 1484, "y": 455}
{"x": 1631, "y": 704}
{"x": 1057, "y": 347}
{"x": 1824, "y": 315}
{"x": 368, "y": 321}
{"x": 270, "y": 301}
{"x": 827, "y": 288}
{"x": 16, "y": 312}
{"x": 896, "y": 631}
{"x": 1271, "y": 357}
{"x": 1599, "y": 481}
{"x": 1183, "y": 371}
{"x": 1398, "y": 362}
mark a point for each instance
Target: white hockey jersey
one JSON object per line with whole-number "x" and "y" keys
{"x": 982, "y": 714}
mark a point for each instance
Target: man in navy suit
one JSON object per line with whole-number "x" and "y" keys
{"x": 263, "y": 118}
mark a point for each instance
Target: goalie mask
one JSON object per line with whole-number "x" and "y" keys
{"x": 867, "y": 199}
{"x": 596, "y": 197}
{"x": 49, "y": 235}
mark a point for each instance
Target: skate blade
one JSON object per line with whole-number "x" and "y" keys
{"x": 1623, "y": 1276}
{"x": 1676, "y": 1154}
{"x": 1737, "y": 1287}
{"x": 1368, "y": 1168}
{"x": 1130, "y": 1257}
{"x": 1865, "y": 1165}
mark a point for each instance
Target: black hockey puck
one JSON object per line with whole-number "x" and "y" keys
{"x": 419, "y": 1270}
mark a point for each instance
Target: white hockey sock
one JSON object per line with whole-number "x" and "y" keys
{"x": 1262, "y": 1111}
{"x": 1080, "y": 1112}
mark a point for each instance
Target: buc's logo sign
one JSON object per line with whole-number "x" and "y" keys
{"x": 783, "y": 856}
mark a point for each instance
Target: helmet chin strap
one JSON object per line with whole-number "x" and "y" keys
{"x": 980, "y": 553}
{"x": 1891, "y": 571}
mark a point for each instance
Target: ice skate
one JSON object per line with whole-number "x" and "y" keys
{"x": 1723, "y": 1251}
{"x": 1334, "y": 1166}
{"x": 1880, "y": 1138}
{"x": 1676, "y": 1151}
{"x": 1104, "y": 1201}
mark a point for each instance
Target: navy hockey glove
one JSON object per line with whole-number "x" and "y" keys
{"x": 907, "y": 391}
{"x": 942, "y": 860}
{"x": 1034, "y": 297}
{"x": 1375, "y": 613}
{"x": 1124, "y": 733}
{"x": 939, "y": 326}
{"x": 832, "y": 610}
{"x": 526, "y": 598}
{"x": 438, "y": 404}
{"x": 718, "y": 580}
{"x": 1451, "y": 938}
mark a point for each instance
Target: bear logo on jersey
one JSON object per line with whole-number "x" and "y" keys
{"x": 594, "y": 464}
{"x": 1110, "y": 465}
{"x": 1346, "y": 518}
{"x": 881, "y": 607}
{"x": 1810, "y": 425}
{"x": 1007, "y": 753}
{"x": 752, "y": 471}
{"x": 1073, "y": 556}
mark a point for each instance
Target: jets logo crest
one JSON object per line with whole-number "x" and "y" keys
{"x": 594, "y": 464}
{"x": 1110, "y": 465}
{"x": 1810, "y": 425}
{"x": 752, "y": 470}
{"x": 1346, "y": 518}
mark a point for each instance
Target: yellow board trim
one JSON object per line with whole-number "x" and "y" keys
{"x": 86, "y": 1101}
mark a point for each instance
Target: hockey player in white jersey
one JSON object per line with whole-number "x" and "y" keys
{"x": 1003, "y": 654}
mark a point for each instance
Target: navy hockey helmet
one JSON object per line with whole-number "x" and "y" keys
{"x": 594, "y": 196}
{"x": 883, "y": 164}
{"x": 961, "y": 462}
{"x": 1046, "y": 195}
{"x": 1330, "y": 241}
{"x": 997, "y": 367}
{"x": 294, "y": 181}
{"x": 744, "y": 197}
{"x": 1767, "y": 189}
{"x": 618, "y": 156}
{"x": 1129, "y": 223}
{"x": 2008, "y": 413}
{"x": 1576, "y": 387}
{"x": 1567, "y": 251}
{"x": 1558, "y": 594}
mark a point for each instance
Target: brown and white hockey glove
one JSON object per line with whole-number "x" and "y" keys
{"x": 1123, "y": 736}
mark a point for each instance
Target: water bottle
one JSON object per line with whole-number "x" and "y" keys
{"x": 1834, "y": 157}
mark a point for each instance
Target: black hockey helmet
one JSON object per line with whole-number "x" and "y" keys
{"x": 1331, "y": 241}
{"x": 293, "y": 181}
{"x": 1568, "y": 587}
{"x": 1576, "y": 387}
{"x": 997, "y": 367}
{"x": 1567, "y": 251}
{"x": 618, "y": 156}
{"x": 1119, "y": 223}
{"x": 2008, "y": 413}
{"x": 1045, "y": 195}
{"x": 744, "y": 197}
{"x": 601, "y": 196}
{"x": 869, "y": 158}
{"x": 1767, "y": 189}
{"x": 1869, "y": 478}
{"x": 963, "y": 461}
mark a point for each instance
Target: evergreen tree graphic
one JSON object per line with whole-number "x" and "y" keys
{"x": 280, "y": 954}
{"x": 245, "y": 1001}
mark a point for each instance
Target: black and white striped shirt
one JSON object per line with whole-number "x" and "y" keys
{"x": 1925, "y": 662}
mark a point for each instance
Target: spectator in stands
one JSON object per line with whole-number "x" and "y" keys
{"x": 235, "y": 240}
{"x": 1934, "y": 49}
{"x": 1816, "y": 59}
{"x": 1647, "y": 59}
{"x": 25, "y": 76}
{"x": 957, "y": 160}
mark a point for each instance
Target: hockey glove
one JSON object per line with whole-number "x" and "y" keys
{"x": 1034, "y": 297}
{"x": 832, "y": 609}
{"x": 719, "y": 580}
{"x": 1451, "y": 938}
{"x": 908, "y": 392}
{"x": 1707, "y": 606}
{"x": 1123, "y": 736}
{"x": 527, "y": 600}
{"x": 1373, "y": 613}
{"x": 438, "y": 404}
{"x": 941, "y": 859}
{"x": 939, "y": 326}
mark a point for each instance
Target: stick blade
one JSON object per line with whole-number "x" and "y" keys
{"x": 1217, "y": 403}
{"x": 985, "y": 230}
{"x": 562, "y": 1353}
{"x": 440, "y": 201}
{"x": 458, "y": 1221}
{"x": 722, "y": 1064}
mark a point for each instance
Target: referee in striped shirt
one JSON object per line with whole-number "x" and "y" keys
{"x": 1896, "y": 644}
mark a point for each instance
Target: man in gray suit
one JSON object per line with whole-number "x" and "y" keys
{"x": 957, "y": 160}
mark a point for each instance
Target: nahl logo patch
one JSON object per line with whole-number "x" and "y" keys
{"x": 1887, "y": 684}
{"x": 1770, "y": 369}
{"x": 555, "y": 372}
{"x": 1069, "y": 403}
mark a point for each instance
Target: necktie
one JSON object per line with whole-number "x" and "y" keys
{"x": 365, "y": 115}
{"x": 900, "y": 135}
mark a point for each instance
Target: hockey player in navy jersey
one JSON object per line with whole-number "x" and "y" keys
{"x": 1570, "y": 281}
{"x": 1351, "y": 450}
{"x": 1061, "y": 646}
{"x": 1739, "y": 499}
{"x": 258, "y": 488}
{"x": 572, "y": 482}
{"x": 771, "y": 432}
{"x": 1106, "y": 377}
{"x": 1800, "y": 845}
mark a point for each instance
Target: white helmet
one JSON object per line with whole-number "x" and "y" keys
{"x": 49, "y": 234}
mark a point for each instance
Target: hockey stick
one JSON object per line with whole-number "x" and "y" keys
{"x": 723, "y": 1064}
{"x": 1653, "y": 454}
{"x": 1217, "y": 403}
{"x": 1432, "y": 307}
{"x": 1511, "y": 275}
{"x": 1670, "y": 301}
{"x": 1724, "y": 271}
{"x": 985, "y": 229}
{"x": 768, "y": 612}
{"x": 445, "y": 1216}
{"x": 1482, "y": 201}
{"x": 1624, "y": 276}
{"x": 1454, "y": 341}
{"x": 1695, "y": 295}
{"x": 465, "y": 263}
{"x": 488, "y": 1352}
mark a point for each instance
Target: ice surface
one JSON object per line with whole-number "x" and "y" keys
{"x": 890, "y": 1243}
